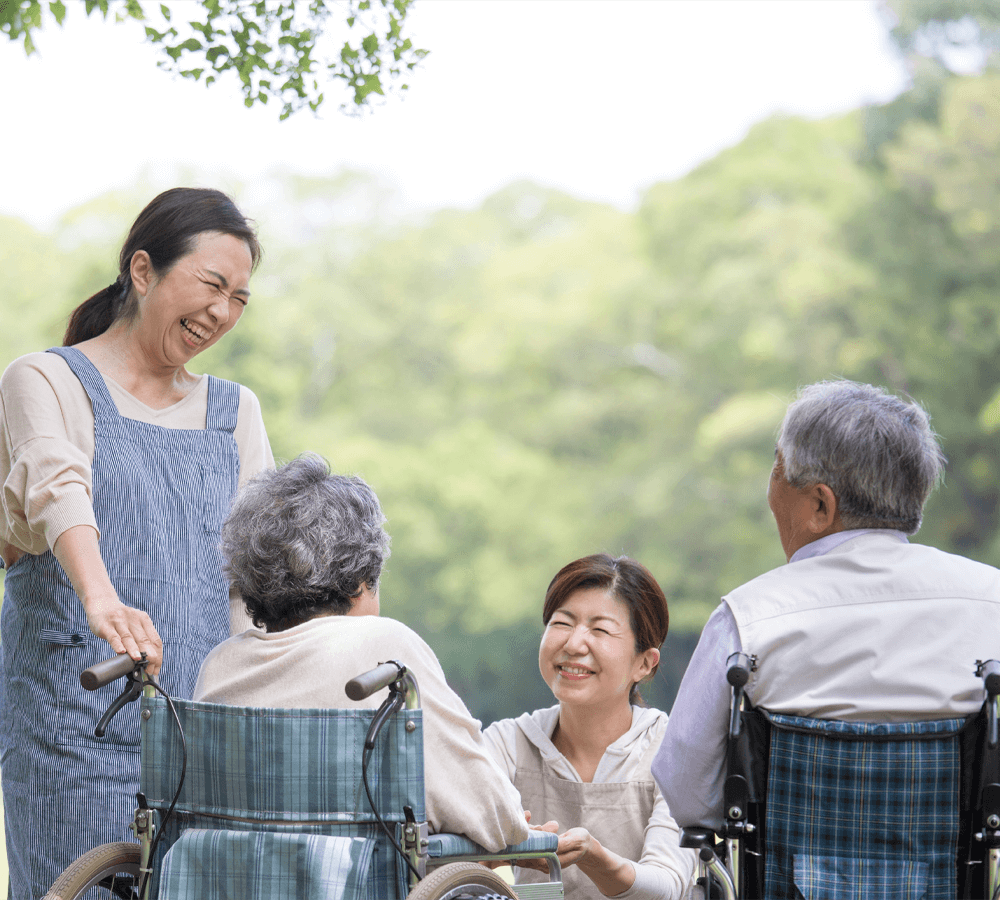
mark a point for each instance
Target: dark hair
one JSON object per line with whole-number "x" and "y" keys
{"x": 166, "y": 229}
{"x": 627, "y": 581}
{"x": 300, "y": 542}
{"x": 875, "y": 451}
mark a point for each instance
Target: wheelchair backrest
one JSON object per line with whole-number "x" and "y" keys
{"x": 859, "y": 804}
{"x": 283, "y": 771}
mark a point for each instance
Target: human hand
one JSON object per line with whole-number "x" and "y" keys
{"x": 127, "y": 630}
{"x": 552, "y": 826}
{"x": 574, "y": 846}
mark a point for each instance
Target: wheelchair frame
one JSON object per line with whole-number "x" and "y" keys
{"x": 732, "y": 859}
{"x": 128, "y": 870}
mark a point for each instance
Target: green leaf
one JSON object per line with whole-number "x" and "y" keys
{"x": 165, "y": 11}
{"x": 58, "y": 9}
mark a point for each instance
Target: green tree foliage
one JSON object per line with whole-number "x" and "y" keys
{"x": 957, "y": 35}
{"x": 542, "y": 378}
{"x": 278, "y": 49}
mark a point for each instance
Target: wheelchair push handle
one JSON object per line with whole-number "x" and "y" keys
{"x": 109, "y": 670}
{"x": 367, "y": 683}
{"x": 989, "y": 671}
{"x": 740, "y": 667}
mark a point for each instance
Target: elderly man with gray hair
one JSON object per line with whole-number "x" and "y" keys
{"x": 860, "y": 625}
{"x": 305, "y": 549}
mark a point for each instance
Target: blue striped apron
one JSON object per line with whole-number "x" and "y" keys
{"x": 160, "y": 496}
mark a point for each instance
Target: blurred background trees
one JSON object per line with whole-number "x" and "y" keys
{"x": 541, "y": 377}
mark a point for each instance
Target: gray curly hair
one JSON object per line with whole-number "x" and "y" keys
{"x": 875, "y": 451}
{"x": 300, "y": 542}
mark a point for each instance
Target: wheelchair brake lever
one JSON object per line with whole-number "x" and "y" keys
{"x": 133, "y": 690}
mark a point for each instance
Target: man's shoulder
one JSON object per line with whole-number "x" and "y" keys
{"x": 878, "y": 562}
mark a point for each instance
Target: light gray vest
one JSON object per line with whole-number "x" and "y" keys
{"x": 874, "y": 630}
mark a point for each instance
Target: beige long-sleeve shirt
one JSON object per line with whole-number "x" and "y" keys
{"x": 307, "y": 667}
{"x": 47, "y": 447}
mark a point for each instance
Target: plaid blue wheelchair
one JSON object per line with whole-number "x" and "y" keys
{"x": 830, "y": 809}
{"x": 242, "y": 803}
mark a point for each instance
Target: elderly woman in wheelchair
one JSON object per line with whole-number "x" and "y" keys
{"x": 281, "y": 785}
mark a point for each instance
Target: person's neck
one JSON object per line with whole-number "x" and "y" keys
{"x": 118, "y": 355}
{"x": 583, "y": 735}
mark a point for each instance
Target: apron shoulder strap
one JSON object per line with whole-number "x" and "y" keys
{"x": 93, "y": 383}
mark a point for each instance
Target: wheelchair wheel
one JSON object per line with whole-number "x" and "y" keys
{"x": 113, "y": 867}
{"x": 462, "y": 881}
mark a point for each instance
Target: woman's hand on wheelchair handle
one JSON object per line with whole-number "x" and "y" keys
{"x": 127, "y": 630}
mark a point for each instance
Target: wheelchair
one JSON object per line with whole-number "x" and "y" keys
{"x": 244, "y": 803}
{"x": 830, "y": 809}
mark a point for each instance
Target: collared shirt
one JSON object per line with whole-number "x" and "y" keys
{"x": 688, "y": 767}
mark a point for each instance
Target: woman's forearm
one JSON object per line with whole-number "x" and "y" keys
{"x": 127, "y": 630}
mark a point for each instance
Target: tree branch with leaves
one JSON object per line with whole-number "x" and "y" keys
{"x": 282, "y": 50}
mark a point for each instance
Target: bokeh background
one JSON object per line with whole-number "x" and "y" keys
{"x": 554, "y": 298}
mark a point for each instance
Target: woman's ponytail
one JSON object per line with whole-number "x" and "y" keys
{"x": 95, "y": 315}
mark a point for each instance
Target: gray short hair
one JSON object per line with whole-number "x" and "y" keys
{"x": 875, "y": 451}
{"x": 300, "y": 542}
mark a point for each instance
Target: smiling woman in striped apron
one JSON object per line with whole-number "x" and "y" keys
{"x": 118, "y": 467}
{"x": 582, "y": 767}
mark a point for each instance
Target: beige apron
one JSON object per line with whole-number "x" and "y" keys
{"x": 616, "y": 814}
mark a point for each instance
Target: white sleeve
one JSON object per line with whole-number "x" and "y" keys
{"x": 665, "y": 871}
{"x": 691, "y": 762}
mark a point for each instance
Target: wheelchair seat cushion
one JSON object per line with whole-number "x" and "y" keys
{"x": 209, "y": 864}
{"x": 862, "y": 810}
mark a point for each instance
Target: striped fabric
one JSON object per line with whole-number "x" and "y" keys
{"x": 284, "y": 771}
{"x": 242, "y": 865}
{"x": 862, "y": 811}
{"x": 159, "y": 496}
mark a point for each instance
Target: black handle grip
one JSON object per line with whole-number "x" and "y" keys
{"x": 103, "y": 673}
{"x": 991, "y": 676}
{"x": 368, "y": 683}
{"x": 740, "y": 667}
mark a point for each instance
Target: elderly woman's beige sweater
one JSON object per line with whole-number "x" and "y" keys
{"x": 307, "y": 667}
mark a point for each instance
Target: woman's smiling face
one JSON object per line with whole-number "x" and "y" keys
{"x": 587, "y": 655}
{"x": 198, "y": 300}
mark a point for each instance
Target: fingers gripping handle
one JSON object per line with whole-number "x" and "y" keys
{"x": 368, "y": 683}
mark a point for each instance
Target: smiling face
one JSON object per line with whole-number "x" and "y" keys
{"x": 588, "y": 656}
{"x": 191, "y": 306}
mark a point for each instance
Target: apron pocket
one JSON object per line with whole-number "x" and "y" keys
{"x": 77, "y": 710}
{"x": 216, "y": 483}
{"x": 842, "y": 877}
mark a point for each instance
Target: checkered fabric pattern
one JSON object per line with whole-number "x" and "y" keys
{"x": 284, "y": 771}
{"x": 862, "y": 811}
{"x": 249, "y": 865}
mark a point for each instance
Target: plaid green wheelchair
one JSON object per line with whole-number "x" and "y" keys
{"x": 243, "y": 803}
{"x": 821, "y": 808}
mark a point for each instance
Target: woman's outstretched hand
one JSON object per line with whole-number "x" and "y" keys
{"x": 127, "y": 630}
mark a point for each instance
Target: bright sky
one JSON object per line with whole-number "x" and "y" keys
{"x": 601, "y": 98}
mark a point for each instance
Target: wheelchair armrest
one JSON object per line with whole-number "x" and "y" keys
{"x": 538, "y": 843}
{"x": 694, "y": 838}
